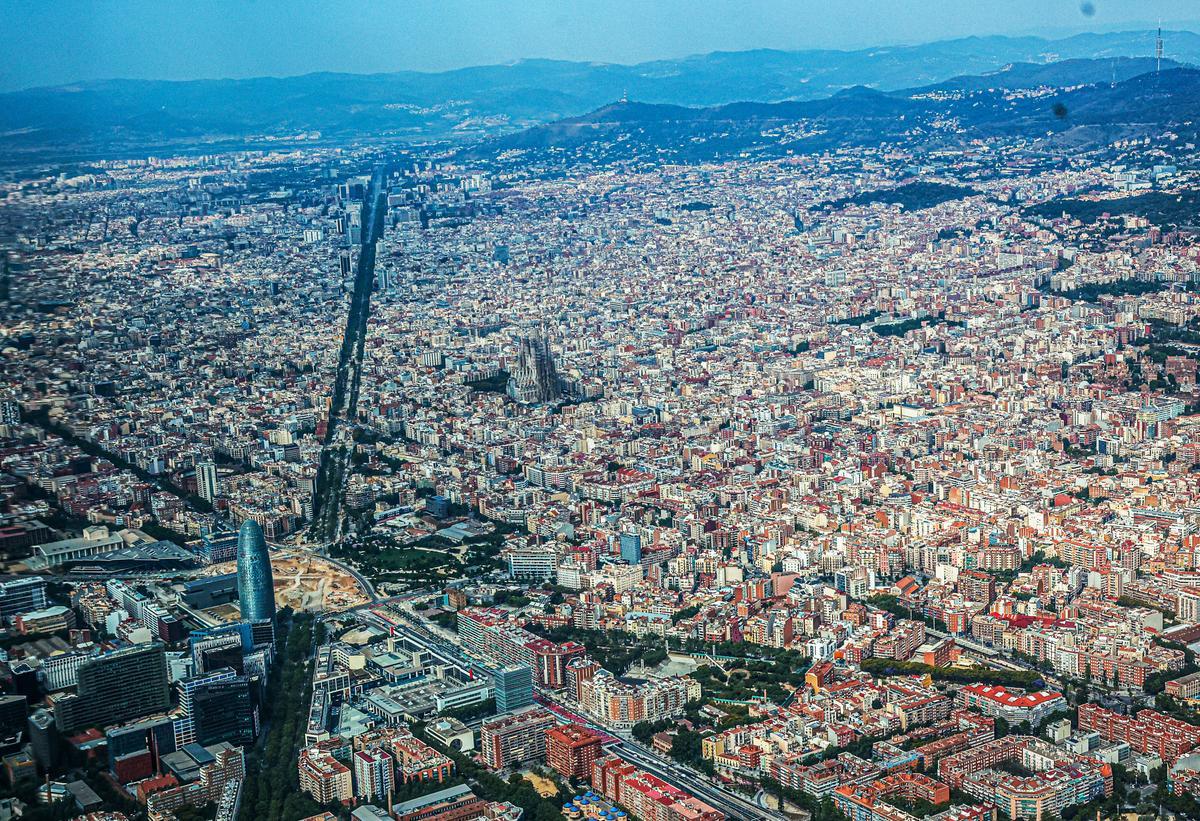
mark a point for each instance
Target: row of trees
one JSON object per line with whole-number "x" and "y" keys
{"x": 1027, "y": 679}
{"x": 271, "y": 791}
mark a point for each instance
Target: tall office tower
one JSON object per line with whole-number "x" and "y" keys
{"x": 117, "y": 686}
{"x": 217, "y": 652}
{"x": 262, "y": 632}
{"x": 185, "y": 725}
{"x": 513, "y": 687}
{"x": 14, "y": 712}
{"x": 256, "y": 588}
{"x": 134, "y": 749}
{"x": 43, "y": 739}
{"x": 225, "y": 711}
{"x": 21, "y": 595}
{"x": 534, "y": 379}
{"x": 631, "y": 548}
{"x": 206, "y": 480}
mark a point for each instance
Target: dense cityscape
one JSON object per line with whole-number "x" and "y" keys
{"x": 547, "y": 477}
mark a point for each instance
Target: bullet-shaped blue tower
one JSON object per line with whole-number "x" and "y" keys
{"x": 256, "y": 588}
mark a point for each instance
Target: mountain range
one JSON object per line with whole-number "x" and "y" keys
{"x": 487, "y": 100}
{"x": 1064, "y": 114}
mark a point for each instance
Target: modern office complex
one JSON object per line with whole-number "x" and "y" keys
{"x": 21, "y": 595}
{"x": 225, "y": 711}
{"x": 631, "y": 548}
{"x": 256, "y": 588}
{"x": 115, "y": 687}
{"x": 513, "y": 686}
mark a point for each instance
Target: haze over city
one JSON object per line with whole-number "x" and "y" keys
{"x": 616, "y": 411}
{"x": 188, "y": 41}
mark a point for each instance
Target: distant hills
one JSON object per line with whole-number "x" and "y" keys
{"x": 488, "y": 100}
{"x": 955, "y": 112}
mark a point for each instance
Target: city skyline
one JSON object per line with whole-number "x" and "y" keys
{"x": 754, "y": 436}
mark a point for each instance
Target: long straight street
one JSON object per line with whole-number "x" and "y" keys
{"x": 339, "y": 445}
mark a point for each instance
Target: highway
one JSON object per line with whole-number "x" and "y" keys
{"x": 732, "y": 804}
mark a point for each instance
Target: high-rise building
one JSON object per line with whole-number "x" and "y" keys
{"x": 134, "y": 749}
{"x": 21, "y": 595}
{"x": 14, "y": 712}
{"x": 631, "y": 548}
{"x": 256, "y": 588}
{"x": 206, "y": 480}
{"x": 117, "y": 686}
{"x": 572, "y": 750}
{"x": 10, "y": 411}
{"x": 217, "y": 652}
{"x": 44, "y": 739}
{"x": 324, "y": 777}
{"x": 225, "y": 711}
{"x": 515, "y": 738}
{"x": 185, "y": 724}
{"x": 373, "y": 774}
{"x": 513, "y": 686}
{"x": 218, "y": 547}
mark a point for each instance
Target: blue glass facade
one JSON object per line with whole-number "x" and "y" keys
{"x": 513, "y": 687}
{"x": 631, "y": 548}
{"x": 256, "y": 589}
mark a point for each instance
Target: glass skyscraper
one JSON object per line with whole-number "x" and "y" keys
{"x": 256, "y": 588}
{"x": 631, "y": 548}
{"x": 513, "y": 687}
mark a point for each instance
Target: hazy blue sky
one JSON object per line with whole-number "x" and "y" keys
{"x": 57, "y": 41}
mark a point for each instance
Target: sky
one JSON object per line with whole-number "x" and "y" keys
{"x": 51, "y": 42}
